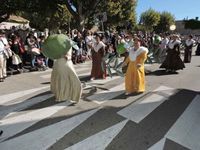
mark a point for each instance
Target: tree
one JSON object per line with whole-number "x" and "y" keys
{"x": 52, "y": 20}
{"x": 42, "y": 14}
{"x": 166, "y": 19}
{"x": 120, "y": 13}
{"x": 149, "y": 19}
{"x": 81, "y": 11}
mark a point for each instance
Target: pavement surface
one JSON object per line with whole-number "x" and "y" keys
{"x": 165, "y": 117}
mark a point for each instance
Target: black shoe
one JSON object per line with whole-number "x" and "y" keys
{"x": 1, "y": 80}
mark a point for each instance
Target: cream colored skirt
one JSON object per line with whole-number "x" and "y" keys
{"x": 65, "y": 83}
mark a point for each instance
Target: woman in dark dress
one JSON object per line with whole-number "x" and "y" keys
{"x": 198, "y": 48}
{"x": 173, "y": 61}
{"x": 16, "y": 48}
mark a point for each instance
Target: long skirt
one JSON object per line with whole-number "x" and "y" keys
{"x": 65, "y": 83}
{"x": 173, "y": 61}
{"x": 187, "y": 55}
{"x": 198, "y": 50}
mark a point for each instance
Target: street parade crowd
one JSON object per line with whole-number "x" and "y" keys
{"x": 23, "y": 52}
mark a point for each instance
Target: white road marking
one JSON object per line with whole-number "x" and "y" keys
{"x": 12, "y": 126}
{"x": 43, "y": 138}
{"x": 103, "y": 81}
{"x": 104, "y": 96}
{"x": 27, "y": 103}
{"x": 159, "y": 145}
{"x": 185, "y": 131}
{"x": 140, "y": 109}
{"x": 9, "y": 97}
{"x": 162, "y": 88}
{"x": 40, "y": 72}
{"x": 48, "y": 76}
{"x": 100, "y": 140}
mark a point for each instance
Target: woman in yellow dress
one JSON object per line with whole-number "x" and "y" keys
{"x": 135, "y": 74}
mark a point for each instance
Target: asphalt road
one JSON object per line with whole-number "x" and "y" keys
{"x": 165, "y": 117}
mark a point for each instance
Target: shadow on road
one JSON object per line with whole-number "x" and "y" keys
{"x": 138, "y": 136}
{"x": 160, "y": 73}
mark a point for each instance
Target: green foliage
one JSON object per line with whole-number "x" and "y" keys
{"x": 56, "y": 13}
{"x": 166, "y": 19}
{"x": 120, "y": 13}
{"x": 150, "y": 19}
{"x": 42, "y": 14}
{"x": 192, "y": 24}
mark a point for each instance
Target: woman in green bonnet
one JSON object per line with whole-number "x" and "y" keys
{"x": 65, "y": 83}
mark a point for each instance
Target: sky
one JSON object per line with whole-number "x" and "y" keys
{"x": 179, "y": 8}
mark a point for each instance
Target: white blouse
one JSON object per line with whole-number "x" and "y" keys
{"x": 134, "y": 53}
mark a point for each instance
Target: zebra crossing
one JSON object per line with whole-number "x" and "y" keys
{"x": 164, "y": 118}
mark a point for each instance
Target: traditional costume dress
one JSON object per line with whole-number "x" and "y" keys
{"x": 65, "y": 83}
{"x": 198, "y": 48}
{"x": 98, "y": 52}
{"x": 173, "y": 61}
{"x": 135, "y": 76}
{"x": 188, "y": 50}
{"x": 163, "y": 48}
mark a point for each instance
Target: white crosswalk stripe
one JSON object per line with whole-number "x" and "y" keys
{"x": 100, "y": 140}
{"x": 139, "y": 110}
{"x": 43, "y": 138}
{"x": 9, "y": 97}
{"x": 104, "y": 96}
{"x": 186, "y": 130}
{"x": 41, "y": 72}
{"x": 48, "y": 76}
{"x": 12, "y": 126}
{"x": 26, "y": 103}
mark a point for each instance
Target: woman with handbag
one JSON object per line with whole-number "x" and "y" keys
{"x": 15, "y": 47}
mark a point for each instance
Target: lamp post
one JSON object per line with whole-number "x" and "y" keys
{"x": 172, "y": 28}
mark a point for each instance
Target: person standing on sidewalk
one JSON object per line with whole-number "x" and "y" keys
{"x": 3, "y": 60}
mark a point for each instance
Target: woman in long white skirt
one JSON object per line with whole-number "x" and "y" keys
{"x": 65, "y": 83}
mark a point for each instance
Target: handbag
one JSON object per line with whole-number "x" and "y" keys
{"x": 35, "y": 51}
{"x": 16, "y": 60}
